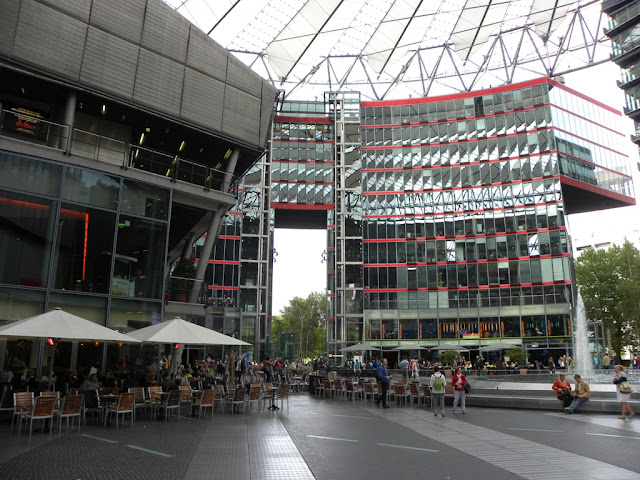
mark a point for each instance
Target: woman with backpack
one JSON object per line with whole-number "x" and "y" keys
{"x": 459, "y": 381}
{"x": 437, "y": 384}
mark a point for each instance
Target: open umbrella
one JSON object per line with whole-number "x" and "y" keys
{"x": 359, "y": 347}
{"x": 493, "y": 347}
{"x": 186, "y": 333}
{"x": 61, "y": 326}
{"x": 410, "y": 346}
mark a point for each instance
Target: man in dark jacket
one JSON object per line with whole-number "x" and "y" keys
{"x": 384, "y": 378}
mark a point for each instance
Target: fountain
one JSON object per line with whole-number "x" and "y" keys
{"x": 584, "y": 364}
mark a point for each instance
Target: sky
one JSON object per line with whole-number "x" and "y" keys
{"x": 298, "y": 270}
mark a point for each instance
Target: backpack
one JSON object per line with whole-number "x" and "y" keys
{"x": 467, "y": 388}
{"x": 437, "y": 383}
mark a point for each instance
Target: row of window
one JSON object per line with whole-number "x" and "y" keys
{"x": 469, "y": 328}
{"x": 320, "y": 152}
{"x": 302, "y": 172}
{"x": 301, "y": 193}
{"x": 302, "y": 131}
{"x": 378, "y": 302}
{"x": 436, "y": 111}
{"x": 513, "y": 272}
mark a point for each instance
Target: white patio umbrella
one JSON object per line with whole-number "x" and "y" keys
{"x": 411, "y": 346}
{"x": 359, "y": 347}
{"x": 492, "y": 347}
{"x": 61, "y": 326}
{"x": 186, "y": 333}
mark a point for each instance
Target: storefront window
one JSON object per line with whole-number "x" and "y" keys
{"x": 91, "y": 188}
{"x": 83, "y": 249}
{"x": 139, "y": 262}
{"x": 144, "y": 200}
{"x": 29, "y": 175}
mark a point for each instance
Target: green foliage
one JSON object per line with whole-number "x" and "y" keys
{"x": 305, "y": 317}
{"x": 184, "y": 269}
{"x": 516, "y": 354}
{"x": 448, "y": 356}
{"x": 609, "y": 282}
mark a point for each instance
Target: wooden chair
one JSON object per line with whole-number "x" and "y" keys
{"x": 21, "y": 400}
{"x": 255, "y": 395}
{"x": 369, "y": 392}
{"x": 41, "y": 410}
{"x": 139, "y": 399}
{"x": 91, "y": 403}
{"x": 400, "y": 393}
{"x": 218, "y": 394}
{"x": 171, "y": 402}
{"x": 426, "y": 390}
{"x": 319, "y": 389}
{"x": 416, "y": 394}
{"x": 282, "y": 395}
{"x": 123, "y": 406}
{"x": 72, "y": 406}
{"x": 153, "y": 394}
{"x": 204, "y": 399}
{"x": 186, "y": 398}
{"x": 340, "y": 390}
{"x": 329, "y": 389}
{"x": 237, "y": 398}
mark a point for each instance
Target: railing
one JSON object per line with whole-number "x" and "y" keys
{"x": 23, "y": 126}
{"x": 179, "y": 290}
{"x": 30, "y": 128}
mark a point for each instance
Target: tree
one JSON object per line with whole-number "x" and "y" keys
{"x": 609, "y": 282}
{"x": 306, "y": 319}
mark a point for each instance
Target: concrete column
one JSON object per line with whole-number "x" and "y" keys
{"x": 188, "y": 246}
{"x": 212, "y": 231}
{"x": 69, "y": 117}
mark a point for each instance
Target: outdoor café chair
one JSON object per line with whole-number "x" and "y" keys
{"x": 237, "y": 398}
{"x": 218, "y": 395}
{"x": 369, "y": 391}
{"x": 123, "y": 406}
{"x": 416, "y": 393}
{"x": 71, "y": 408}
{"x": 339, "y": 388}
{"x": 255, "y": 395}
{"x": 91, "y": 403}
{"x": 6, "y": 402}
{"x": 202, "y": 400}
{"x": 186, "y": 398}
{"x": 319, "y": 389}
{"x": 281, "y": 395}
{"x": 139, "y": 399}
{"x": 171, "y": 402}
{"x": 41, "y": 410}
{"x": 329, "y": 389}
{"x": 427, "y": 394}
{"x": 21, "y": 400}
{"x": 153, "y": 394}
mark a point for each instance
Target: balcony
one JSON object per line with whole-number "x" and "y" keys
{"x": 23, "y": 126}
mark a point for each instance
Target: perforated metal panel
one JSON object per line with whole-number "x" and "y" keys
{"x": 76, "y": 8}
{"x": 268, "y": 91}
{"x": 49, "y": 39}
{"x": 8, "y": 21}
{"x": 164, "y": 32}
{"x": 241, "y": 117}
{"x": 238, "y": 76}
{"x": 123, "y": 18}
{"x": 159, "y": 82}
{"x": 206, "y": 55}
{"x": 201, "y": 99}
{"x": 109, "y": 63}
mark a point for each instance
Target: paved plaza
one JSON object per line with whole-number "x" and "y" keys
{"x": 336, "y": 439}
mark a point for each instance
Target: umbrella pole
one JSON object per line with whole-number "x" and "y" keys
{"x": 53, "y": 352}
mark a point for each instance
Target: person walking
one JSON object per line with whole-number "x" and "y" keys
{"x": 384, "y": 378}
{"x": 437, "y": 383}
{"x": 459, "y": 380}
{"x": 622, "y": 396}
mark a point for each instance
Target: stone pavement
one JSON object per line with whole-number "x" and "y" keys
{"x": 335, "y": 439}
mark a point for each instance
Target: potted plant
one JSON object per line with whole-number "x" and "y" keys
{"x": 447, "y": 360}
{"x": 180, "y": 281}
{"x": 517, "y": 354}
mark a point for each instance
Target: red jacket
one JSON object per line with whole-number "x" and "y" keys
{"x": 454, "y": 382}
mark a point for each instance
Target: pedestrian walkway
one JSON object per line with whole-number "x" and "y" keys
{"x": 326, "y": 439}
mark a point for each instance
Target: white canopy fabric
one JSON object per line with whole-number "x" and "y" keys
{"x": 498, "y": 346}
{"x": 456, "y": 348}
{"x": 359, "y": 347}
{"x": 62, "y": 326}
{"x": 186, "y": 333}
{"x": 411, "y": 346}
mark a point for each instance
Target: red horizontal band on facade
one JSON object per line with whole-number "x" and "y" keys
{"x": 331, "y": 319}
{"x": 331, "y": 294}
{"x": 301, "y": 206}
{"x": 600, "y": 191}
{"x": 453, "y": 289}
{"x": 234, "y": 213}
{"x": 331, "y": 226}
{"x": 461, "y": 212}
{"x": 466, "y": 262}
{"x": 456, "y": 142}
{"x": 437, "y": 122}
{"x": 229, "y": 237}
{"x": 488, "y": 91}
{"x": 331, "y": 272}
{"x": 224, "y": 262}
{"x": 298, "y": 182}
{"x": 291, "y": 119}
{"x": 221, "y": 287}
{"x": 302, "y": 140}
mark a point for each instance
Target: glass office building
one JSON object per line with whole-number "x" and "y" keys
{"x": 445, "y": 216}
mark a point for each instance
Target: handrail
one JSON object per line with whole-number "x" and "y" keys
{"x": 25, "y": 126}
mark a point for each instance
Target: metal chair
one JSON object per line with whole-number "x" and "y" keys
{"x": 282, "y": 395}
{"x": 400, "y": 393}
{"x": 254, "y": 396}
{"x": 123, "y": 406}
{"x": 6, "y": 401}
{"x": 204, "y": 399}
{"x": 427, "y": 394}
{"x": 415, "y": 393}
{"x": 139, "y": 399}
{"x": 237, "y": 398}
{"x": 21, "y": 400}
{"x": 186, "y": 398}
{"x": 41, "y": 410}
{"x": 171, "y": 402}
{"x": 71, "y": 407}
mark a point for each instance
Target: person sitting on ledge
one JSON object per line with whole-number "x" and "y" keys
{"x": 581, "y": 394}
{"x": 563, "y": 390}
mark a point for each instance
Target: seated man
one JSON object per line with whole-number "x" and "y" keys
{"x": 91, "y": 383}
{"x": 108, "y": 381}
{"x": 563, "y": 390}
{"x": 167, "y": 384}
{"x": 581, "y": 394}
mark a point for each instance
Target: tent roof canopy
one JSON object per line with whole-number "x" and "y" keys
{"x": 181, "y": 331}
